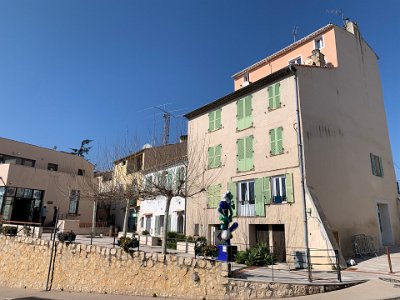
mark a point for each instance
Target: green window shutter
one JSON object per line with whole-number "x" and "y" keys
{"x": 270, "y": 98}
{"x": 279, "y": 140}
{"x": 169, "y": 179}
{"x": 277, "y": 95}
{"x": 240, "y": 114}
{"x": 249, "y": 153}
{"x": 213, "y": 196}
{"x": 289, "y": 188}
{"x": 248, "y": 118}
{"x": 241, "y": 166}
{"x": 211, "y": 121}
{"x": 372, "y": 163}
{"x": 232, "y": 189}
{"x": 259, "y": 201}
{"x": 217, "y": 156}
{"x": 272, "y": 139}
{"x": 267, "y": 190}
{"x": 218, "y": 123}
{"x": 211, "y": 154}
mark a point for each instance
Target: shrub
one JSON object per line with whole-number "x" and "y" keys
{"x": 67, "y": 237}
{"x": 173, "y": 238}
{"x": 209, "y": 250}
{"x": 257, "y": 255}
{"x": 145, "y": 232}
{"x": 9, "y": 230}
{"x": 126, "y": 243}
{"x": 190, "y": 239}
{"x": 200, "y": 243}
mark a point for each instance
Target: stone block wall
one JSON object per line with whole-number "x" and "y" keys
{"x": 24, "y": 262}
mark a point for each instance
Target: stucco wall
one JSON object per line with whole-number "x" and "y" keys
{"x": 343, "y": 122}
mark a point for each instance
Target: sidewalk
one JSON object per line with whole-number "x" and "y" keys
{"x": 19, "y": 293}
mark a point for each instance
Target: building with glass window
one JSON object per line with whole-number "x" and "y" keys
{"x": 32, "y": 177}
{"x": 315, "y": 104}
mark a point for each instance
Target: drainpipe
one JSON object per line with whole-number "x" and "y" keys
{"x": 301, "y": 164}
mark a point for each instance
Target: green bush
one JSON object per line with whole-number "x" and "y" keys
{"x": 67, "y": 237}
{"x": 257, "y": 255}
{"x": 173, "y": 238}
{"x": 9, "y": 230}
{"x": 145, "y": 232}
{"x": 200, "y": 243}
{"x": 126, "y": 243}
{"x": 190, "y": 239}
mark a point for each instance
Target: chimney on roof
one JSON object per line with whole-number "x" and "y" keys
{"x": 318, "y": 59}
{"x": 183, "y": 138}
{"x": 351, "y": 27}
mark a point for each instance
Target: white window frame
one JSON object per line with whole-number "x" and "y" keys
{"x": 292, "y": 61}
{"x": 320, "y": 38}
{"x": 246, "y": 207}
{"x": 281, "y": 180}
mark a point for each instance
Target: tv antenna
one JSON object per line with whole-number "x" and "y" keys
{"x": 339, "y": 12}
{"x": 294, "y": 32}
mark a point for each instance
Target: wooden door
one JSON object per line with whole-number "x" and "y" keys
{"x": 278, "y": 238}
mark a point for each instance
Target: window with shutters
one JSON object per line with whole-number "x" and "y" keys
{"x": 274, "y": 96}
{"x": 244, "y": 116}
{"x": 245, "y": 154}
{"x": 246, "y": 198}
{"x": 282, "y": 189}
{"x": 214, "y": 156}
{"x": 74, "y": 197}
{"x": 376, "y": 165}
{"x": 214, "y": 120}
{"x": 213, "y": 196}
{"x": 276, "y": 141}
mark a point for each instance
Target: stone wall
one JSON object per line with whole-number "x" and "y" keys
{"x": 83, "y": 268}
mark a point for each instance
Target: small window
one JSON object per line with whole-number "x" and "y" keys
{"x": 246, "y": 192}
{"x": 319, "y": 43}
{"x": 214, "y": 120}
{"x": 52, "y": 167}
{"x": 295, "y": 61}
{"x": 376, "y": 164}
{"x": 74, "y": 201}
{"x": 124, "y": 162}
{"x": 196, "y": 229}
{"x": 81, "y": 172}
{"x": 276, "y": 141}
{"x": 278, "y": 189}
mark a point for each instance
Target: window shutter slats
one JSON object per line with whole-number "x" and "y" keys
{"x": 277, "y": 96}
{"x": 232, "y": 189}
{"x": 259, "y": 201}
{"x": 279, "y": 140}
{"x": 211, "y": 121}
{"x": 272, "y": 138}
{"x": 210, "y": 157}
{"x": 266, "y": 190}
{"x": 217, "y": 157}
{"x": 270, "y": 98}
{"x": 218, "y": 123}
{"x": 248, "y": 153}
{"x": 289, "y": 188}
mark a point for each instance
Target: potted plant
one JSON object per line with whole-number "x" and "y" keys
{"x": 9, "y": 230}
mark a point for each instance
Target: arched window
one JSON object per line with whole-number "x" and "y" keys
{"x": 180, "y": 224}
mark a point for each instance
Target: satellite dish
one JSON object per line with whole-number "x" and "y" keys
{"x": 146, "y": 146}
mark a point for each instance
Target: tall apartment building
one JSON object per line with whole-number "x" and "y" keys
{"x": 32, "y": 177}
{"x": 318, "y": 102}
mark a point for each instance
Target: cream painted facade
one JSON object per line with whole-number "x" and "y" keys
{"x": 342, "y": 122}
{"x": 32, "y": 177}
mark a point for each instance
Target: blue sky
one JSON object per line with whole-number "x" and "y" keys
{"x": 71, "y": 70}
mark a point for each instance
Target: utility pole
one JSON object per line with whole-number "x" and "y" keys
{"x": 166, "y": 117}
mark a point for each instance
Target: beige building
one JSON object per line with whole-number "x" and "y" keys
{"x": 32, "y": 177}
{"x": 316, "y": 103}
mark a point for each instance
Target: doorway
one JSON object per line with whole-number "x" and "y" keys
{"x": 385, "y": 228}
{"x": 278, "y": 239}
{"x": 262, "y": 234}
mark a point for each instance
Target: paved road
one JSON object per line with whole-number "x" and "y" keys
{"x": 30, "y": 294}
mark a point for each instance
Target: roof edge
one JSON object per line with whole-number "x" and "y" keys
{"x": 241, "y": 92}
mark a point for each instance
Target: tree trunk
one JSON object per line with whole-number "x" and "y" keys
{"x": 165, "y": 229}
{"x": 125, "y": 229}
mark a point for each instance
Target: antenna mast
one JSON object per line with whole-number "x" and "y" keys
{"x": 166, "y": 117}
{"x": 294, "y": 33}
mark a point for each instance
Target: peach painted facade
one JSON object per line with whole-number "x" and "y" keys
{"x": 349, "y": 183}
{"x": 301, "y": 49}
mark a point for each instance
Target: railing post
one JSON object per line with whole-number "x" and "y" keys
{"x": 389, "y": 259}
{"x": 339, "y": 274}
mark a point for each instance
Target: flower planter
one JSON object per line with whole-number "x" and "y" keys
{"x": 153, "y": 241}
{"x": 143, "y": 239}
{"x": 181, "y": 247}
{"x": 190, "y": 248}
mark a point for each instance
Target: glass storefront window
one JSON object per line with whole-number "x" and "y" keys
{"x": 10, "y": 191}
